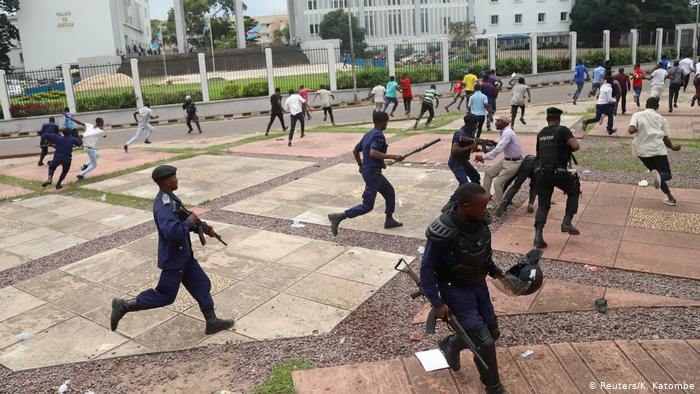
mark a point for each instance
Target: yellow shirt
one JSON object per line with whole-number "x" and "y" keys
{"x": 469, "y": 82}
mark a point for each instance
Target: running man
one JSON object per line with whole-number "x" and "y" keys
{"x": 144, "y": 116}
{"x": 191, "y": 109}
{"x": 580, "y": 77}
{"x": 304, "y": 93}
{"x": 429, "y": 96}
{"x": 390, "y": 96}
{"x": 90, "y": 137}
{"x": 276, "y": 110}
{"x": 378, "y": 93}
{"x": 326, "y": 97}
{"x": 295, "y": 106}
{"x": 457, "y": 88}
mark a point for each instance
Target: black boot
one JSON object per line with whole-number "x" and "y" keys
{"x": 390, "y": 222}
{"x": 539, "y": 238}
{"x": 451, "y": 345}
{"x": 335, "y": 219}
{"x": 496, "y": 389}
{"x": 567, "y": 227}
{"x": 502, "y": 208}
{"x": 48, "y": 182}
{"x": 214, "y": 324}
{"x": 120, "y": 307}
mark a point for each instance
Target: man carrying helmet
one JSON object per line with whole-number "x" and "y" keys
{"x": 191, "y": 109}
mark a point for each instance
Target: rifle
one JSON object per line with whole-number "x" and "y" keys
{"x": 418, "y": 149}
{"x": 431, "y": 322}
{"x": 201, "y": 225}
{"x": 485, "y": 144}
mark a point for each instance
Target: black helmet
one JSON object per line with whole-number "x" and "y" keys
{"x": 528, "y": 269}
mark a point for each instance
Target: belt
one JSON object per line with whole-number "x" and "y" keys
{"x": 512, "y": 158}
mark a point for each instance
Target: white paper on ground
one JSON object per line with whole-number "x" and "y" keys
{"x": 432, "y": 360}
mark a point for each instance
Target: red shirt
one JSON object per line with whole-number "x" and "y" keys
{"x": 304, "y": 93}
{"x": 637, "y": 80}
{"x": 406, "y": 88}
{"x": 457, "y": 86}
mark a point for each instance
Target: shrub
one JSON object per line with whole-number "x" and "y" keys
{"x": 255, "y": 89}
{"x": 509, "y": 66}
{"x": 547, "y": 64}
{"x": 171, "y": 96}
{"x": 459, "y": 69}
{"x": 646, "y": 55}
{"x": 35, "y": 109}
{"x": 231, "y": 90}
{"x": 686, "y": 51}
{"x": 106, "y": 101}
{"x": 366, "y": 78}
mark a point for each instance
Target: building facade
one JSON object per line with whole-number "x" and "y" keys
{"x": 269, "y": 24}
{"x": 54, "y": 32}
{"x": 494, "y": 17}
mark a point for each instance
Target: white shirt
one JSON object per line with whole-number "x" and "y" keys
{"x": 294, "y": 104}
{"x": 651, "y": 130}
{"x": 325, "y": 96}
{"x": 379, "y": 91}
{"x": 145, "y": 114}
{"x": 658, "y": 77}
{"x": 606, "y": 96}
{"x": 519, "y": 92}
{"x": 91, "y": 135}
{"x": 686, "y": 65}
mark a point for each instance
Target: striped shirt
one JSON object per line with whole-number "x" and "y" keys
{"x": 429, "y": 95}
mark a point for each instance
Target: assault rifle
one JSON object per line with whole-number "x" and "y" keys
{"x": 431, "y": 322}
{"x": 485, "y": 144}
{"x": 201, "y": 226}
{"x": 418, "y": 149}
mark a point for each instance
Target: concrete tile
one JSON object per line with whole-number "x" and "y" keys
{"x": 33, "y": 321}
{"x": 313, "y": 145}
{"x": 607, "y": 363}
{"x": 181, "y": 332}
{"x": 10, "y": 260}
{"x": 616, "y": 190}
{"x": 519, "y": 240}
{"x": 237, "y": 300}
{"x": 428, "y": 382}
{"x": 132, "y": 324}
{"x": 289, "y": 316}
{"x": 269, "y": 246}
{"x": 224, "y": 338}
{"x": 38, "y": 217}
{"x": 341, "y": 293}
{"x": 606, "y": 239}
{"x": 277, "y": 277}
{"x": 81, "y": 229}
{"x": 665, "y": 238}
{"x": 312, "y": 255}
{"x": 185, "y": 301}
{"x": 576, "y": 367}
{"x": 658, "y": 259}
{"x": 7, "y": 191}
{"x": 364, "y": 265}
{"x": 51, "y": 348}
{"x": 134, "y": 280}
{"x": 559, "y": 296}
{"x": 45, "y": 246}
{"x": 147, "y": 246}
{"x": 386, "y": 377}
{"x": 629, "y": 299}
{"x": 507, "y": 305}
{"x": 603, "y": 215}
{"x": 52, "y": 285}
{"x": 16, "y": 301}
{"x": 87, "y": 298}
{"x": 130, "y": 348}
{"x": 33, "y": 235}
{"x": 106, "y": 264}
{"x": 230, "y": 265}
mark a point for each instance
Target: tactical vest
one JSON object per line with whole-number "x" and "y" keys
{"x": 471, "y": 249}
{"x": 548, "y": 147}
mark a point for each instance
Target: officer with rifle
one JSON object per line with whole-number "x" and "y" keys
{"x": 175, "y": 257}
{"x": 555, "y": 147}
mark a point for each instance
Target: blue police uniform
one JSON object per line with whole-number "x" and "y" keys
{"x": 371, "y": 171}
{"x": 175, "y": 259}
{"x": 63, "y": 154}
{"x": 464, "y": 170}
{"x": 46, "y": 129}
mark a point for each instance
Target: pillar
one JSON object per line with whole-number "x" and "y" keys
{"x": 573, "y": 49}
{"x": 203, "y": 77}
{"x": 606, "y": 44}
{"x": 180, "y": 30}
{"x": 678, "y": 42}
{"x": 240, "y": 25}
{"x": 68, "y": 85}
{"x": 391, "y": 58}
{"x": 659, "y": 42}
{"x": 4, "y": 96}
{"x": 332, "y": 77}
{"x": 270, "y": 73}
{"x": 635, "y": 43}
{"x": 137, "y": 82}
{"x": 492, "y": 52}
{"x": 445, "y": 54}
{"x": 533, "y": 53}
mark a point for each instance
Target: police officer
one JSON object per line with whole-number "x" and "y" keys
{"x": 373, "y": 147}
{"x": 453, "y": 272}
{"x": 175, "y": 259}
{"x": 459, "y": 154}
{"x": 191, "y": 109}
{"x": 47, "y": 128}
{"x": 62, "y": 155}
{"x": 555, "y": 145}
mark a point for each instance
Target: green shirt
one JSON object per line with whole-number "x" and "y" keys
{"x": 429, "y": 96}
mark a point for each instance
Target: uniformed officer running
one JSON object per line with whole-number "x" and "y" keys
{"x": 373, "y": 147}
{"x": 555, "y": 145}
{"x": 458, "y": 162}
{"x": 175, "y": 259}
{"x": 453, "y": 272}
{"x": 62, "y": 155}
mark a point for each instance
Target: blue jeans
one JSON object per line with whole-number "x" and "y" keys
{"x": 579, "y": 88}
{"x": 93, "y": 155}
{"x": 637, "y": 93}
{"x": 600, "y": 110}
{"x": 375, "y": 183}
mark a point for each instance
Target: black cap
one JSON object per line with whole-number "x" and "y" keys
{"x": 554, "y": 112}
{"x": 470, "y": 119}
{"x": 380, "y": 116}
{"x": 163, "y": 171}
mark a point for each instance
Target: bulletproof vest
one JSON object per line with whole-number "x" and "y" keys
{"x": 470, "y": 243}
{"x": 548, "y": 147}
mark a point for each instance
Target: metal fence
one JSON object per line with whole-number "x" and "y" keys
{"x": 668, "y": 44}
{"x": 466, "y": 56}
{"x": 591, "y": 51}
{"x": 513, "y": 54}
{"x": 169, "y": 82}
{"x": 36, "y": 92}
{"x": 247, "y": 80}
{"x": 621, "y": 49}
{"x": 371, "y": 67}
{"x": 686, "y": 43}
{"x": 311, "y": 71}
{"x": 646, "y": 46}
{"x": 103, "y": 87}
{"x": 422, "y": 61}
{"x": 553, "y": 52}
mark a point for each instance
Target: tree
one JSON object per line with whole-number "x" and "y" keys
{"x": 8, "y": 31}
{"x": 664, "y": 13}
{"x": 462, "y": 31}
{"x": 589, "y": 18}
{"x": 335, "y": 26}
{"x": 281, "y": 35}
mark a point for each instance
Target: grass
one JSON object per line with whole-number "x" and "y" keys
{"x": 280, "y": 380}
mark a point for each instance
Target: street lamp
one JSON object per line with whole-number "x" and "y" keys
{"x": 352, "y": 54}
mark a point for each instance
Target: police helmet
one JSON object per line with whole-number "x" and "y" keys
{"x": 528, "y": 269}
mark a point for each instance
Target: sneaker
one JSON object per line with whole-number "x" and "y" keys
{"x": 670, "y": 202}
{"x": 126, "y": 148}
{"x": 391, "y": 114}
{"x": 59, "y": 186}
{"x": 612, "y": 131}
{"x": 80, "y": 178}
{"x": 447, "y": 109}
{"x": 656, "y": 177}
{"x": 428, "y": 125}
{"x": 289, "y": 143}
{"x": 147, "y": 142}
{"x": 189, "y": 131}
{"x": 83, "y": 167}
{"x": 522, "y": 120}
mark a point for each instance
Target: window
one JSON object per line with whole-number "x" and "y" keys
{"x": 540, "y": 17}
{"x": 395, "y": 22}
{"x": 423, "y": 21}
{"x": 340, "y": 3}
{"x": 494, "y": 19}
{"x": 494, "y": 1}
{"x": 564, "y": 16}
{"x": 518, "y": 18}
{"x": 394, "y": 2}
{"x": 446, "y": 24}
{"x": 369, "y": 3}
{"x": 312, "y": 5}
{"x": 313, "y": 29}
{"x": 369, "y": 23}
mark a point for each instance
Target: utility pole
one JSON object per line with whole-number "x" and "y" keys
{"x": 695, "y": 33}
{"x": 211, "y": 41}
{"x": 352, "y": 55}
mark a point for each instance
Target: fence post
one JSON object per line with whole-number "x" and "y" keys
{"x": 678, "y": 42}
{"x": 573, "y": 49}
{"x": 390, "y": 58}
{"x": 68, "y": 86}
{"x": 332, "y": 75}
{"x": 492, "y": 52}
{"x": 203, "y": 77}
{"x": 533, "y": 52}
{"x": 635, "y": 42}
{"x": 445, "y": 54}
{"x": 4, "y": 97}
{"x": 659, "y": 42}
{"x": 270, "y": 74}
{"x": 137, "y": 82}
{"x": 606, "y": 44}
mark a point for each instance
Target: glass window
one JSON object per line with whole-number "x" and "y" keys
{"x": 494, "y": 19}
{"x": 518, "y": 18}
{"x": 540, "y": 17}
{"x": 564, "y": 16}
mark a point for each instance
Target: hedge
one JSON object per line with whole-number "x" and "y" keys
{"x": 35, "y": 109}
{"x": 106, "y": 101}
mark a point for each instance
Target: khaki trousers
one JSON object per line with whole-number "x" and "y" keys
{"x": 499, "y": 173}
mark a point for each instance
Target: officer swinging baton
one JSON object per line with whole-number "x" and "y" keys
{"x": 201, "y": 225}
{"x": 430, "y": 324}
{"x": 418, "y": 149}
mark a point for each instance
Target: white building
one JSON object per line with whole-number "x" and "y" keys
{"x": 416, "y": 20}
{"x": 494, "y": 17}
{"x": 269, "y": 24}
{"x": 53, "y": 32}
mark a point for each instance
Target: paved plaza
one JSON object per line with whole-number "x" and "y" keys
{"x": 40, "y": 226}
{"x": 193, "y": 141}
{"x": 319, "y": 145}
{"x": 8, "y": 191}
{"x": 204, "y": 177}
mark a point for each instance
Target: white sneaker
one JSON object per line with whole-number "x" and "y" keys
{"x": 670, "y": 202}
{"x": 656, "y": 178}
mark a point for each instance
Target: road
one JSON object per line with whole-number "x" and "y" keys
{"x": 116, "y": 138}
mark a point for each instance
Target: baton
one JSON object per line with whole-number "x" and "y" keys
{"x": 418, "y": 149}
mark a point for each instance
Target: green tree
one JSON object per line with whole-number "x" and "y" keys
{"x": 281, "y": 35}
{"x": 335, "y": 26}
{"x": 462, "y": 31}
{"x": 8, "y": 32}
{"x": 664, "y": 13}
{"x": 589, "y": 18}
